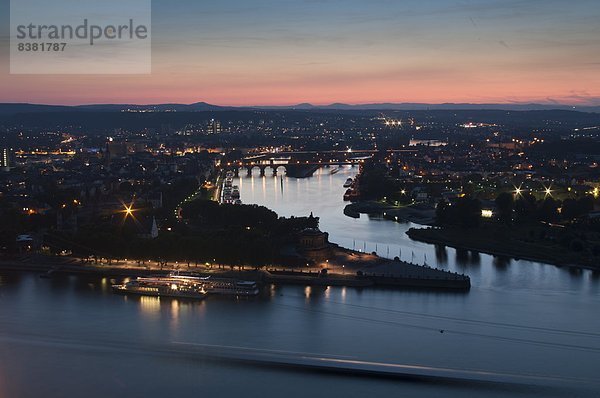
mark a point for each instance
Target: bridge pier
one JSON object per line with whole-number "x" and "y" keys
{"x": 300, "y": 170}
{"x": 262, "y": 170}
{"x": 249, "y": 171}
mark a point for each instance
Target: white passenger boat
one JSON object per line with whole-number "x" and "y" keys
{"x": 221, "y": 286}
{"x": 163, "y": 287}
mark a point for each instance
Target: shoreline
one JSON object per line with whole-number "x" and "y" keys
{"x": 402, "y": 276}
{"x": 408, "y": 213}
{"x": 418, "y": 234}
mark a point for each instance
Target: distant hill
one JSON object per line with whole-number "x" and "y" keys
{"x": 408, "y": 106}
{"x": 7, "y": 109}
{"x": 15, "y": 108}
{"x": 196, "y": 107}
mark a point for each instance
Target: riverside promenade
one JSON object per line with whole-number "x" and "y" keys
{"x": 358, "y": 270}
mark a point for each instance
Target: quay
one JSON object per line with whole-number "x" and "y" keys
{"x": 386, "y": 273}
{"x": 398, "y": 274}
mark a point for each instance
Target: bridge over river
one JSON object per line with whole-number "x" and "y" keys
{"x": 302, "y": 164}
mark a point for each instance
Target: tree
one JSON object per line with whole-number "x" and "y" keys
{"x": 468, "y": 212}
{"x": 505, "y": 204}
{"x": 548, "y": 210}
{"x": 374, "y": 182}
{"x": 573, "y": 208}
{"x": 525, "y": 207}
{"x": 441, "y": 212}
{"x": 577, "y": 245}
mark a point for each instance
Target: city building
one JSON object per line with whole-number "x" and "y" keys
{"x": 314, "y": 244}
{"x": 215, "y": 127}
{"x": 5, "y": 159}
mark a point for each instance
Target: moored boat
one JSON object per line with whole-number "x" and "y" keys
{"x": 231, "y": 287}
{"x": 221, "y": 286}
{"x": 163, "y": 287}
{"x": 351, "y": 195}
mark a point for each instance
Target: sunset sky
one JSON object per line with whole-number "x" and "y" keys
{"x": 281, "y": 52}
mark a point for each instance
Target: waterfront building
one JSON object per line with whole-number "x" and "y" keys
{"x": 314, "y": 244}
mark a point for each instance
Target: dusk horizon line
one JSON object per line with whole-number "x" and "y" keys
{"x": 308, "y": 103}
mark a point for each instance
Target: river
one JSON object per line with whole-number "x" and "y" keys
{"x": 71, "y": 337}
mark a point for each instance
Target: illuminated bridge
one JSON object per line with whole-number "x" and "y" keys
{"x": 302, "y": 164}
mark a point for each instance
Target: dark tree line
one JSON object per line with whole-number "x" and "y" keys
{"x": 526, "y": 208}
{"x": 374, "y": 181}
{"x": 523, "y": 209}
{"x": 226, "y": 234}
{"x": 465, "y": 212}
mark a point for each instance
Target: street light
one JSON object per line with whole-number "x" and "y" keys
{"x": 518, "y": 191}
{"x": 128, "y": 211}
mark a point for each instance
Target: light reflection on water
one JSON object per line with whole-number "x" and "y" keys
{"x": 307, "y": 292}
{"x": 322, "y": 195}
{"x": 150, "y": 305}
{"x": 384, "y": 325}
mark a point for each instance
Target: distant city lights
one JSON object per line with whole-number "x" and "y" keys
{"x": 393, "y": 123}
{"x": 485, "y": 213}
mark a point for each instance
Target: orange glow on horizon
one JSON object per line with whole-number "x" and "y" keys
{"x": 315, "y": 87}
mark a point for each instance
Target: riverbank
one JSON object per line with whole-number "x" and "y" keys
{"x": 497, "y": 243}
{"x": 359, "y": 271}
{"x": 415, "y": 213}
{"x": 385, "y": 272}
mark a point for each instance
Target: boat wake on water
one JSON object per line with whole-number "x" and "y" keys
{"x": 314, "y": 362}
{"x": 355, "y": 367}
